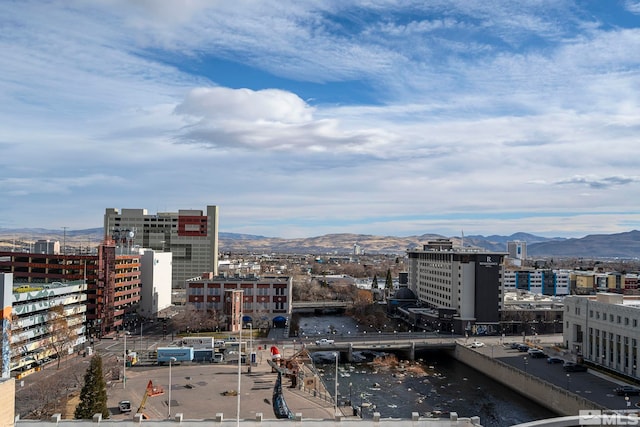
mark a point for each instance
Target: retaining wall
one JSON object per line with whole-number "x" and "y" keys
{"x": 542, "y": 392}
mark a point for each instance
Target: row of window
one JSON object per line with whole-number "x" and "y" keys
{"x": 617, "y": 318}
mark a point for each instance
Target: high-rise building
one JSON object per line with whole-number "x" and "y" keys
{"x": 116, "y": 295}
{"x": 46, "y": 247}
{"x": 190, "y": 235}
{"x": 463, "y": 286}
{"x": 156, "y": 282}
{"x": 517, "y": 250}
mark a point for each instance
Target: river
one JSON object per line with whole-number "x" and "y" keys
{"x": 438, "y": 383}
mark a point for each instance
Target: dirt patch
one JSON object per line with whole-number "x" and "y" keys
{"x": 390, "y": 362}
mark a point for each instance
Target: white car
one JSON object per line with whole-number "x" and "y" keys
{"x": 324, "y": 341}
{"x": 476, "y": 344}
{"x": 124, "y": 406}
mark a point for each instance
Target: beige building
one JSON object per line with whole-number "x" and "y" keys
{"x": 604, "y": 330}
{"x": 190, "y": 235}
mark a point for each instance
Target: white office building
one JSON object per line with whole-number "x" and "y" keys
{"x": 604, "y": 330}
{"x": 155, "y": 282}
{"x": 537, "y": 281}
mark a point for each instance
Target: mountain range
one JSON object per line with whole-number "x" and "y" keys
{"x": 620, "y": 245}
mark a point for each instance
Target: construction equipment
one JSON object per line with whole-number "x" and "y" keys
{"x": 151, "y": 391}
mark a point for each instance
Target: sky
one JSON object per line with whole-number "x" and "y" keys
{"x": 304, "y": 118}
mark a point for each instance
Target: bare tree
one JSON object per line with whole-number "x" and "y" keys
{"x": 61, "y": 333}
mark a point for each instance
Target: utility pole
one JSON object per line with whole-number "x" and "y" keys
{"x": 64, "y": 241}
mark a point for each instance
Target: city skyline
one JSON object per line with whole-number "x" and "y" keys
{"x": 301, "y": 120}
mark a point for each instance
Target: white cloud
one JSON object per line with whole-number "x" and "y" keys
{"x": 633, "y": 6}
{"x": 488, "y": 116}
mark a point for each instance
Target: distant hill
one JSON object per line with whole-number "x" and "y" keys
{"x": 620, "y": 245}
{"x": 499, "y": 243}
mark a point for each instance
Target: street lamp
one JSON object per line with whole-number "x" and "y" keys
{"x": 171, "y": 359}
{"x": 335, "y": 405}
{"x": 239, "y": 301}
{"x": 568, "y": 381}
{"x": 525, "y": 364}
{"x": 124, "y": 361}
{"x": 251, "y": 343}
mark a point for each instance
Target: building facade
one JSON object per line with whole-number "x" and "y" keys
{"x": 537, "y": 281}
{"x": 46, "y": 247}
{"x": 35, "y": 332}
{"x": 603, "y": 329}
{"x": 48, "y": 267}
{"x": 461, "y": 285}
{"x": 155, "y": 279}
{"x": 265, "y": 301}
{"x": 112, "y": 280}
{"x": 517, "y": 250}
{"x": 190, "y": 235}
{"x": 116, "y": 295}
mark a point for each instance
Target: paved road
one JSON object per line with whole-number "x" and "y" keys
{"x": 590, "y": 385}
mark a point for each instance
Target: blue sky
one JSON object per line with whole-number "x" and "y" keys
{"x": 305, "y": 118}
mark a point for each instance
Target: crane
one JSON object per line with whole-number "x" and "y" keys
{"x": 150, "y": 391}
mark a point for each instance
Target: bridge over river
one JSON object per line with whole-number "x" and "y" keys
{"x": 315, "y": 306}
{"x": 404, "y": 343}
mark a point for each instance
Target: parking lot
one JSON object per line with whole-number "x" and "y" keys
{"x": 201, "y": 390}
{"x": 591, "y": 385}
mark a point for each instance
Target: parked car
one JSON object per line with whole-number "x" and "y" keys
{"x": 218, "y": 358}
{"x": 574, "y": 367}
{"x": 515, "y": 345}
{"x": 476, "y": 344}
{"x": 124, "y": 406}
{"x": 324, "y": 341}
{"x": 523, "y": 348}
{"x": 627, "y": 390}
{"x": 554, "y": 360}
{"x": 536, "y": 353}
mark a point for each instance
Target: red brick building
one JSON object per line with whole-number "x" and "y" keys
{"x": 266, "y": 301}
{"x": 112, "y": 277}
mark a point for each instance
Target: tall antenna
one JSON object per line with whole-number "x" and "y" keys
{"x": 462, "y": 240}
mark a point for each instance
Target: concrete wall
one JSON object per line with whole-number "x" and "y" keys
{"x": 7, "y": 399}
{"x": 546, "y": 394}
{"x": 221, "y": 421}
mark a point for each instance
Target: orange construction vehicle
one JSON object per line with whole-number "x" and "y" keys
{"x": 151, "y": 391}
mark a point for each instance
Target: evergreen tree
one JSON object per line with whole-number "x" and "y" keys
{"x": 374, "y": 284}
{"x": 388, "y": 283}
{"x": 93, "y": 396}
